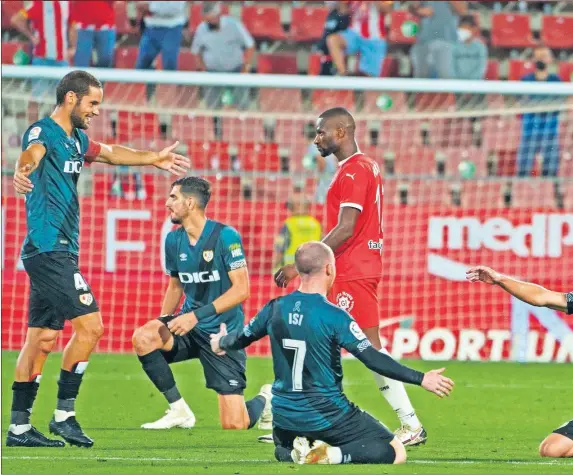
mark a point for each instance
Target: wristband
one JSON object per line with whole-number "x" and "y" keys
{"x": 205, "y": 311}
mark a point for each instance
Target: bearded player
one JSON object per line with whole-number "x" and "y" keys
{"x": 560, "y": 442}
{"x": 354, "y": 226}
{"x": 54, "y": 150}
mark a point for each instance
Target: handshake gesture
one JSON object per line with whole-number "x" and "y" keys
{"x": 436, "y": 383}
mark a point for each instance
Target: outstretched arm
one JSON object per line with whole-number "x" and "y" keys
{"x": 530, "y": 293}
{"x": 27, "y": 162}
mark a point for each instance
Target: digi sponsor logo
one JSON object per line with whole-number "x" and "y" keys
{"x": 199, "y": 277}
{"x": 72, "y": 166}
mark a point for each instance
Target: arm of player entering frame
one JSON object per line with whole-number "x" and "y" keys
{"x": 27, "y": 163}
{"x": 344, "y": 230}
{"x": 172, "y": 296}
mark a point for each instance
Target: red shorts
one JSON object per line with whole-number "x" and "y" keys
{"x": 360, "y": 299}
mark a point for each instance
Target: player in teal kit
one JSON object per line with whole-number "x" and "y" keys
{"x": 205, "y": 261}
{"x": 54, "y": 151}
{"x": 307, "y": 333}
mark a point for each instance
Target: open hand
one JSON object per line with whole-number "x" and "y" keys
{"x": 285, "y": 274}
{"x": 22, "y": 184}
{"x": 483, "y": 274}
{"x": 172, "y": 162}
{"x": 436, "y": 383}
{"x": 216, "y": 338}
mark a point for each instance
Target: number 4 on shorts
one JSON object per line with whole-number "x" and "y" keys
{"x": 80, "y": 283}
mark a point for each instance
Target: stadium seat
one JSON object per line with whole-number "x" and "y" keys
{"x": 519, "y": 68}
{"x": 566, "y": 164}
{"x": 567, "y": 189}
{"x": 492, "y": 70}
{"x": 280, "y": 100}
{"x": 8, "y": 10}
{"x": 257, "y": 156}
{"x": 291, "y": 131}
{"x": 427, "y": 101}
{"x": 396, "y": 134}
{"x": 133, "y": 125}
{"x": 307, "y": 23}
{"x": 243, "y": 129}
{"x": 415, "y": 161}
{"x": 376, "y": 102}
{"x": 126, "y": 57}
{"x": 501, "y": 133}
{"x": 263, "y": 22}
{"x": 389, "y": 67}
{"x": 122, "y": 23}
{"x": 556, "y": 31}
{"x": 195, "y": 17}
{"x": 272, "y": 189}
{"x": 432, "y": 193}
{"x": 9, "y": 49}
{"x": 533, "y": 193}
{"x": 277, "y": 63}
{"x": 191, "y": 127}
{"x": 398, "y": 31}
{"x": 176, "y": 96}
{"x": 100, "y": 127}
{"x": 186, "y": 61}
{"x": 314, "y": 64}
{"x": 482, "y": 194}
{"x": 209, "y": 155}
{"x": 326, "y": 99}
{"x": 456, "y": 155}
{"x": 510, "y": 30}
{"x": 133, "y": 94}
{"x": 566, "y": 71}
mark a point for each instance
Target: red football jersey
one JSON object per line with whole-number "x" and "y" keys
{"x": 358, "y": 183}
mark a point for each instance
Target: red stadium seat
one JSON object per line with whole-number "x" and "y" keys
{"x": 272, "y": 189}
{"x": 122, "y": 24}
{"x": 428, "y": 101}
{"x": 263, "y": 22}
{"x": 556, "y": 31}
{"x": 434, "y": 192}
{"x": 492, "y": 70}
{"x": 455, "y": 156}
{"x": 291, "y": 132}
{"x": 567, "y": 189}
{"x": 195, "y": 17}
{"x": 132, "y": 125}
{"x": 482, "y": 193}
{"x": 128, "y": 93}
{"x": 176, "y": 96}
{"x": 8, "y": 10}
{"x": 376, "y": 102}
{"x": 510, "y": 30}
{"x": 186, "y": 61}
{"x": 326, "y": 99}
{"x": 100, "y": 127}
{"x": 398, "y": 134}
{"x": 9, "y": 49}
{"x": 450, "y": 132}
{"x": 566, "y": 71}
{"x": 280, "y": 100}
{"x": 209, "y": 155}
{"x": 501, "y": 133}
{"x": 243, "y": 129}
{"x": 191, "y": 127}
{"x": 307, "y": 23}
{"x": 257, "y": 156}
{"x": 126, "y": 57}
{"x": 415, "y": 161}
{"x": 278, "y": 63}
{"x": 398, "y": 31}
{"x": 314, "y": 64}
{"x": 389, "y": 67}
{"x": 533, "y": 194}
{"x": 519, "y": 68}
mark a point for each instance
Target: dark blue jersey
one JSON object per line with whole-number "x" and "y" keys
{"x": 569, "y": 300}
{"x": 307, "y": 333}
{"x": 203, "y": 269}
{"x": 52, "y": 207}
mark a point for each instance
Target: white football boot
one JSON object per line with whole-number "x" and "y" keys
{"x": 302, "y": 453}
{"x": 182, "y": 417}
{"x": 410, "y": 436}
{"x": 266, "y": 419}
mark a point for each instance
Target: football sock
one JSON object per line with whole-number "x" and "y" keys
{"x": 255, "y": 408}
{"x": 363, "y": 451}
{"x": 23, "y": 396}
{"x": 282, "y": 454}
{"x": 69, "y": 387}
{"x": 395, "y": 393}
{"x": 160, "y": 374}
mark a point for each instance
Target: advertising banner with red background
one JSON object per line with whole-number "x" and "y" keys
{"x": 427, "y": 308}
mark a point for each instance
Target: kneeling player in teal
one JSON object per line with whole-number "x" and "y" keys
{"x": 306, "y": 334}
{"x": 206, "y": 262}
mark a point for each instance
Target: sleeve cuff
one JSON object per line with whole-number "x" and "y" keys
{"x": 352, "y": 205}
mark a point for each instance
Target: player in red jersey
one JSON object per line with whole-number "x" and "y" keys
{"x": 354, "y": 226}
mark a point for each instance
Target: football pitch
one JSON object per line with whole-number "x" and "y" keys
{"x": 493, "y": 423}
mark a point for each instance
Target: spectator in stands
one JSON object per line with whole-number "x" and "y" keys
{"x": 298, "y": 228}
{"x": 432, "y": 55}
{"x": 93, "y": 26}
{"x": 366, "y": 36}
{"x": 325, "y": 166}
{"x": 223, "y": 45}
{"x": 470, "y": 53}
{"x": 163, "y": 29}
{"x": 45, "y": 24}
{"x": 539, "y": 130}
{"x": 338, "y": 19}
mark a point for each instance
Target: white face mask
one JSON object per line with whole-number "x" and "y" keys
{"x": 464, "y": 34}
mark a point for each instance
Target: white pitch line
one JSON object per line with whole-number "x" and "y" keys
{"x": 191, "y": 460}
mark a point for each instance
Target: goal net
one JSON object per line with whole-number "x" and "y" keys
{"x": 482, "y": 177}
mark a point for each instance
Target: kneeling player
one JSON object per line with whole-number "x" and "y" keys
{"x": 560, "y": 442}
{"x": 306, "y": 334}
{"x": 205, "y": 261}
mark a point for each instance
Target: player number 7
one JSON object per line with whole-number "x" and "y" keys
{"x": 299, "y": 348}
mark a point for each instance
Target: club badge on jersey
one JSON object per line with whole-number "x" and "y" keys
{"x": 208, "y": 256}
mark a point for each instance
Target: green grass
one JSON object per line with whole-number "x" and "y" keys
{"x": 493, "y": 422}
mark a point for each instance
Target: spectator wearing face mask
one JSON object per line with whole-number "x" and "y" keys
{"x": 539, "y": 130}
{"x": 470, "y": 53}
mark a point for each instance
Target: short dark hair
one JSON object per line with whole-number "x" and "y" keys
{"x": 78, "y": 82}
{"x": 196, "y": 186}
{"x": 339, "y": 112}
{"x": 468, "y": 20}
